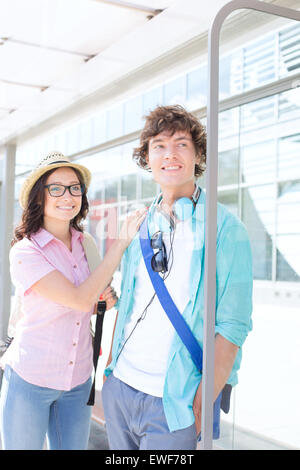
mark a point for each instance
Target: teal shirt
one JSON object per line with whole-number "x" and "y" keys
{"x": 233, "y": 306}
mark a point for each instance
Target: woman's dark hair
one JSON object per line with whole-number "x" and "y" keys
{"x": 171, "y": 119}
{"x": 33, "y": 215}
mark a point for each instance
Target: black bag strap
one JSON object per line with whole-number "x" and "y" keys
{"x": 101, "y": 308}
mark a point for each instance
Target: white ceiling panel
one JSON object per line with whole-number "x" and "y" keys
{"x": 35, "y": 66}
{"x": 72, "y": 48}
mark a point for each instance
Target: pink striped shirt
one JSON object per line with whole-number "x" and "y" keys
{"x": 52, "y": 346}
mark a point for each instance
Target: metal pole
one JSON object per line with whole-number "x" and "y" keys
{"x": 6, "y": 219}
{"x": 211, "y": 200}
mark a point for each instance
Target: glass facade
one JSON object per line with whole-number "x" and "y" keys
{"x": 259, "y": 181}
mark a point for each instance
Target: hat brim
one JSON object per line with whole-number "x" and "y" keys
{"x": 36, "y": 174}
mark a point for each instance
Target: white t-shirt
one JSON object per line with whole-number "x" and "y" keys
{"x": 143, "y": 361}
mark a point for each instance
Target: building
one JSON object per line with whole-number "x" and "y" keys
{"x": 259, "y": 174}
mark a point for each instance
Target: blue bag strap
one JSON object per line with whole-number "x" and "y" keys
{"x": 166, "y": 300}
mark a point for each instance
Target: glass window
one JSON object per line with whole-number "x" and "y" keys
{"x": 228, "y": 167}
{"x": 288, "y": 158}
{"x": 288, "y": 231}
{"x": 289, "y": 106}
{"x": 133, "y": 111}
{"x": 127, "y": 164}
{"x": 175, "y": 91}
{"x": 152, "y": 99}
{"x": 289, "y": 49}
{"x": 85, "y": 134}
{"x": 258, "y": 161}
{"x": 197, "y": 88}
{"x": 99, "y": 129}
{"x": 287, "y": 258}
{"x": 230, "y": 199}
{"x": 115, "y": 126}
{"x": 259, "y": 217}
{"x": 260, "y": 62}
{"x": 111, "y": 190}
{"x": 72, "y": 140}
{"x": 148, "y": 185}
{"x": 60, "y": 142}
{"x": 229, "y": 125}
{"x": 128, "y": 187}
{"x": 231, "y": 75}
{"x": 260, "y": 113}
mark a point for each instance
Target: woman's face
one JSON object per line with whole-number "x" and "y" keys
{"x": 65, "y": 207}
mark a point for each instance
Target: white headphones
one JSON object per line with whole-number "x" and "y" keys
{"x": 182, "y": 209}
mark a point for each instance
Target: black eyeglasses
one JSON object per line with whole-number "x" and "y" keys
{"x": 57, "y": 190}
{"x": 159, "y": 261}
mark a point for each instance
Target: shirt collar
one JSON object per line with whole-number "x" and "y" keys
{"x": 76, "y": 235}
{"x": 42, "y": 237}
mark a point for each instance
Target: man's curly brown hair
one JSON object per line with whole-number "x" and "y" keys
{"x": 171, "y": 119}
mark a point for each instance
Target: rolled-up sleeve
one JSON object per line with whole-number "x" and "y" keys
{"x": 234, "y": 284}
{"x": 27, "y": 266}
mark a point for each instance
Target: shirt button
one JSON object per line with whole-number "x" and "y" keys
{"x": 78, "y": 323}
{"x": 71, "y": 363}
{"x": 75, "y": 266}
{"x": 74, "y": 344}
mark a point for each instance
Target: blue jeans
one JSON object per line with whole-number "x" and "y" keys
{"x": 29, "y": 413}
{"x": 136, "y": 420}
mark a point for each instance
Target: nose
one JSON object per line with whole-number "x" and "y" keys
{"x": 67, "y": 196}
{"x": 170, "y": 151}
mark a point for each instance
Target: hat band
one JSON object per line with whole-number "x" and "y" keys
{"x": 59, "y": 161}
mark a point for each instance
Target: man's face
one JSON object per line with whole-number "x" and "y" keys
{"x": 172, "y": 159}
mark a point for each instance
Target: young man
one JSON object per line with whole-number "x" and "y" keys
{"x": 152, "y": 396}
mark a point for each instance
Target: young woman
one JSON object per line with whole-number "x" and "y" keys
{"x": 48, "y": 366}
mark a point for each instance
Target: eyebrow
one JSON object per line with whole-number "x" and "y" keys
{"x": 161, "y": 139}
{"x": 59, "y": 182}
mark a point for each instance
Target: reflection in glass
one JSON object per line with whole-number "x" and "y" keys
{"x": 230, "y": 200}
{"x": 111, "y": 190}
{"x": 259, "y": 162}
{"x": 229, "y": 123}
{"x": 231, "y": 75}
{"x": 289, "y": 48}
{"x": 259, "y": 113}
{"x": 289, "y": 104}
{"x": 288, "y": 231}
{"x": 115, "y": 122}
{"x": 148, "y": 185}
{"x": 72, "y": 140}
{"x": 99, "y": 129}
{"x": 288, "y": 158}
{"x": 128, "y": 187}
{"x": 258, "y": 216}
{"x": 151, "y": 99}
{"x": 197, "y": 88}
{"x": 260, "y": 62}
{"x": 175, "y": 91}
{"x": 288, "y": 265}
{"x": 133, "y": 111}
{"x": 229, "y": 167}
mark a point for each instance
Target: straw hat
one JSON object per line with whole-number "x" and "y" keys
{"x": 49, "y": 162}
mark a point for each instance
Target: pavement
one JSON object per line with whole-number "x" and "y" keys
{"x": 98, "y": 438}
